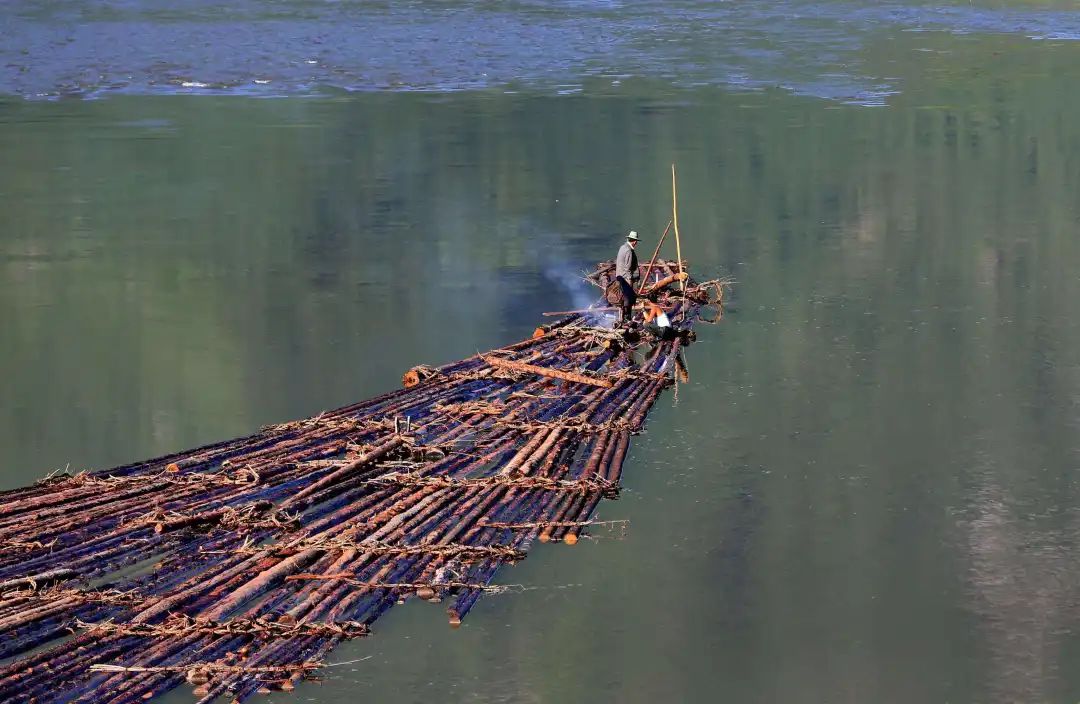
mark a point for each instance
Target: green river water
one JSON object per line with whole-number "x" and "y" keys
{"x": 867, "y": 492}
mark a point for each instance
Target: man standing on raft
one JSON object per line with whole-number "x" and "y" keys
{"x": 627, "y": 274}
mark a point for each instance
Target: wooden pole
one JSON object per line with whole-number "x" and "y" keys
{"x": 545, "y": 371}
{"x": 656, "y": 252}
{"x": 675, "y": 219}
{"x": 580, "y": 310}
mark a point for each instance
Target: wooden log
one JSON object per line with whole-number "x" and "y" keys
{"x": 207, "y": 517}
{"x": 665, "y": 282}
{"x": 368, "y": 458}
{"x": 597, "y": 309}
{"x": 38, "y": 580}
{"x": 523, "y": 368}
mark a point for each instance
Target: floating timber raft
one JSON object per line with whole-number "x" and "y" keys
{"x": 238, "y": 566}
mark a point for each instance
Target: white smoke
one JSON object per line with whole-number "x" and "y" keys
{"x": 572, "y": 281}
{"x": 582, "y": 294}
{"x": 564, "y": 259}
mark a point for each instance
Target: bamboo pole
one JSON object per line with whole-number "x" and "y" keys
{"x": 675, "y": 219}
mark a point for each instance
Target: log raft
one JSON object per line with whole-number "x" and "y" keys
{"x": 238, "y": 566}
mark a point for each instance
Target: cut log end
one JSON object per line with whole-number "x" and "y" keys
{"x": 418, "y": 374}
{"x": 570, "y": 539}
{"x": 455, "y": 620}
{"x": 197, "y": 675}
{"x": 538, "y": 333}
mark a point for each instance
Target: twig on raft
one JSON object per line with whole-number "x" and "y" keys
{"x": 415, "y": 586}
{"x": 178, "y": 625}
{"x": 214, "y": 667}
{"x": 456, "y": 551}
{"x": 555, "y": 524}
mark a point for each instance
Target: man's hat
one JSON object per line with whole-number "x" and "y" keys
{"x": 632, "y": 237}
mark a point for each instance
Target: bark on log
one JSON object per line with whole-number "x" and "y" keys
{"x": 523, "y": 368}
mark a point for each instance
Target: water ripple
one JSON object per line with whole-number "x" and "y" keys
{"x": 78, "y": 47}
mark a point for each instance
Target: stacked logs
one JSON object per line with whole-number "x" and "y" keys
{"x": 238, "y": 566}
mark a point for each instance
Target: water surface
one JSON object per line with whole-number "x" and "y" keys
{"x": 836, "y": 49}
{"x": 867, "y": 493}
